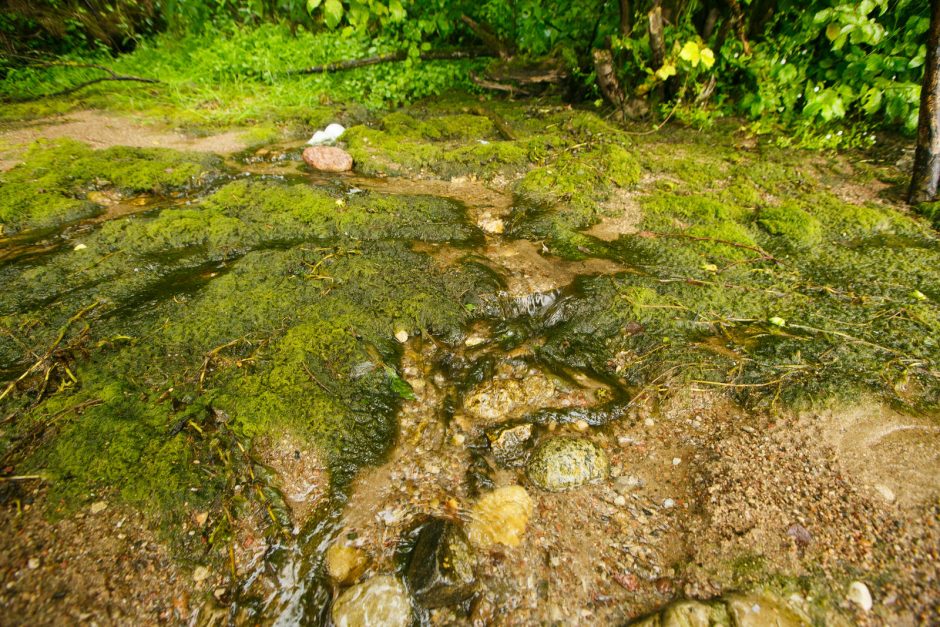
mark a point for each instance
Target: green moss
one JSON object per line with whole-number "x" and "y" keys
{"x": 50, "y": 186}
{"x": 791, "y": 224}
{"x": 931, "y": 211}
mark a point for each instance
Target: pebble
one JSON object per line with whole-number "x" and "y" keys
{"x": 676, "y": 461}
{"x": 669, "y": 503}
{"x": 33, "y": 563}
{"x": 649, "y": 422}
{"x": 80, "y": 247}
{"x": 474, "y": 340}
{"x": 559, "y": 464}
{"x": 458, "y": 439}
{"x": 401, "y": 335}
{"x": 328, "y": 159}
{"x": 200, "y": 574}
{"x": 886, "y": 493}
{"x": 500, "y": 517}
{"x": 98, "y": 507}
{"x": 344, "y": 563}
{"x": 859, "y": 595}
{"x": 582, "y": 425}
{"x": 381, "y": 600}
{"x": 620, "y": 500}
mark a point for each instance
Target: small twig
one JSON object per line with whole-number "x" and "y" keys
{"x": 23, "y": 478}
{"x": 42, "y": 360}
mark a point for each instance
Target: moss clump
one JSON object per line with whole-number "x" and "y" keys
{"x": 50, "y": 186}
{"x": 795, "y": 226}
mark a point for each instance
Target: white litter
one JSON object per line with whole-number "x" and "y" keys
{"x": 330, "y": 134}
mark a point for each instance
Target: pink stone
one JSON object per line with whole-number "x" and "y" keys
{"x": 328, "y": 159}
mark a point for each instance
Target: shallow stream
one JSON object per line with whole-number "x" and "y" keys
{"x": 279, "y": 364}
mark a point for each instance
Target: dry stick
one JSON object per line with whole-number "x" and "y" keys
{"x": 497, "y": 121}
{"x": 401, "y": 55}
{"x": 42, "y": 360}
{"x": 496, "y": 86}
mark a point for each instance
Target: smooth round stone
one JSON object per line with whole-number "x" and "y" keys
{"x": 563, "y": 463}
{"x": 381, "y": 600}
{"x": 328, "y": 159}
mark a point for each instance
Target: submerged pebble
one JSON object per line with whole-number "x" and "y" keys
{"x": 508, "y": 442}
{"x": 382, "y": 600}
{"x": 564, "y": 463}
{"x": 344, "y": 563}
{"x": 440, "y": 568}
{"x": 500, "y": 517}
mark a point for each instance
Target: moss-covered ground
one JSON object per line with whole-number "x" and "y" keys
{"x": 138, "y": 346}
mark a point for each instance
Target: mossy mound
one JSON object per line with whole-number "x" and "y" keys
{"x": 51, "y": 186}
{"x": 183, "y": 335}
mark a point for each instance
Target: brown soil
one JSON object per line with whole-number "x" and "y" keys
{"x": 699, "y": 490}
{"x": 101, "y": 129}
{"x": 91, "y": 567}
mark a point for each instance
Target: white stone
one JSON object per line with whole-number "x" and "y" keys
{"x": 649, "y": 422}
{"x": 401, "y": 335}
{"x": 200, "y": 574}
{"x": 676, "y": 461}
{"x": 669, "y": 503}
{"x": 98, "y": 507}
{"x": 859, "y": 595}
{"x": 885, "y": 492}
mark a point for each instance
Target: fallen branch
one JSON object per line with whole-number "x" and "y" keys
{"x": 498, "y": 121}
{"x": 112, "y": 76}
{"x": 495, "y": 86}
{"x": 401, "y": 55}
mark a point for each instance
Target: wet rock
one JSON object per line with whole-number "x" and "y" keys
{"x": 759, "y": 610}
{"x": 693, "y": 614}
{"x": 344, "y": 563}
{"x": 440, "y": 570}
{"x": 328, "y": 159}
{"x": 382, "y": 600}
{"x": 508, "y": 442}
{"x": 497, "y": 399}
{"x": 860, "y": 595}
{"x": 500, "y": 517}
{"x": 564, "y": 463}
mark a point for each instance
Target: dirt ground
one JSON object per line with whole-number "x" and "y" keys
{"x": 100, "y": 129}
{"x": 704, "y": 498}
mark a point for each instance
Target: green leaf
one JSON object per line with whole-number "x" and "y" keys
{"x": 399, "y": 386}
{"x": 312, "y": 5}
{"x": 333, "y": 13}
{"x": 708, "y": 57}
{"x": 690, "y": 53}
{"x": 667, "y": 70}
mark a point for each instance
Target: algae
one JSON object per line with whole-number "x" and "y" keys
{"x": 51, "y": 186}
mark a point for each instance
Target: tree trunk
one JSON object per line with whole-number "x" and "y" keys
{"x": 927, "y": 156}
{"x": 626, "y": 18}
{"x": 657, "y": 43}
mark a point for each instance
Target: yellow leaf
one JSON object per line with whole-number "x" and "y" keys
{"x": 708, "y": 57}
{"x": 690, "y": 53}
{"x": 666, "y": 71}
{"x": 833, "y": 31}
